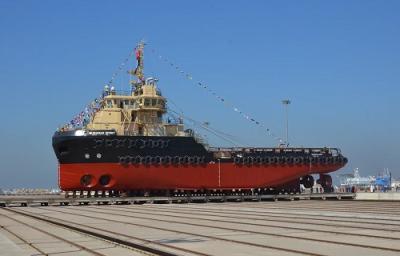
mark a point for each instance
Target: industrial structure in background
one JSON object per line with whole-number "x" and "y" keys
{"x": 382, "y": 182}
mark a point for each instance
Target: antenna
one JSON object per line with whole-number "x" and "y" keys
{"x": 138, "y": 71}
{"x": 286, "y": 104}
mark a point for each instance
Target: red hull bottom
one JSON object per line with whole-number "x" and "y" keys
{"x": 209, "y": 176}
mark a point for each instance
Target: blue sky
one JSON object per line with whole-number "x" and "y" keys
{"x": 338, "y": 61}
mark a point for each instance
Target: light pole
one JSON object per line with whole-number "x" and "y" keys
{"x": 286, "y": 105}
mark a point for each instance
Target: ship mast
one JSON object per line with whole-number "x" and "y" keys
{"x": 138, "y": 71}
{"x": 139, "y": 113}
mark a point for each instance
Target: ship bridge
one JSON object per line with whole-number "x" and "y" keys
{"x": 137, "y": 113}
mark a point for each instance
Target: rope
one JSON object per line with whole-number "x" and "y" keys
{"x": 205, "y": 127}
{"x": 229, "y": 136}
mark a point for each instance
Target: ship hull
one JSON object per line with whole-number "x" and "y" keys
{"x": 223, "y": 176}
{"x": 129, "y": 163}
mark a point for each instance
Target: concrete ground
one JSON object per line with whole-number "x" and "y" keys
{"x": 306, "y": 227}
{"x": 388, "y": 196}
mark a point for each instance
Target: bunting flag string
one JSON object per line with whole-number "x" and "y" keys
{"x": 121, "y": 66}
{"x": 218, "y": 97}
{"x": 83, "y": 118}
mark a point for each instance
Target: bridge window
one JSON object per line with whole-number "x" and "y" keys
{"x": 146, "y": 102}
{"x": 109, "y": 104}
{"x": 154, "y": 102}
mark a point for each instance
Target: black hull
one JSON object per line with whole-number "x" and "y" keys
{"x": 70, "y": 148}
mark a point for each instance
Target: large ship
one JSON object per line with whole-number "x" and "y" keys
{"x": 128, "y": 146}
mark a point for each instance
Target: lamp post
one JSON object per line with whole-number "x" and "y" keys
{"x": 286, "y": 106}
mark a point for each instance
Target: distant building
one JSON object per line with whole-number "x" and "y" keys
{"x": 396, "y": 184}
{"x": 381, "y": 182}
{"x": 353, "y": 181}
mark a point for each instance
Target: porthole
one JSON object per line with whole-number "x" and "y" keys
{"x": 86, "y": 180}
{"x": 87, "y": 156}
{"x": 105, "y": 180}
{"x": 98, "y": 155}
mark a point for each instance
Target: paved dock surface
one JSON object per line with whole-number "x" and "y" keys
{"x": 306, "y": 227}
{"x": 44, "y": 200}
